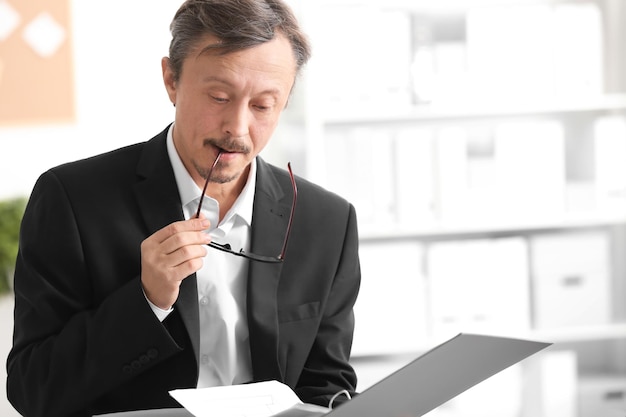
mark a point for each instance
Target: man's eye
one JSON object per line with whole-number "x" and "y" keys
{"x": 220, "y": 99}
{"x": 262, "y": 107}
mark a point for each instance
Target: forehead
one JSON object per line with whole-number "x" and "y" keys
{"x": 269, "y": 60}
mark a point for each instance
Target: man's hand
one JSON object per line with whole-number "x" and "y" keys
{"x": 169, "y": 256}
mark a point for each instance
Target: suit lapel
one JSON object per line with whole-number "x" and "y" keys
{"x": 270, "y": 217}
{"x": 159, "y": 202}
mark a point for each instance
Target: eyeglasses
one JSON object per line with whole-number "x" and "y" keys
{"x": 249, "y": 255}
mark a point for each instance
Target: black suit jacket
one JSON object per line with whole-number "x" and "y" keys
{"x": 87, "y": 342}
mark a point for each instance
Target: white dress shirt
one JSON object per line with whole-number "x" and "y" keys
{"x": 224, "y": 339}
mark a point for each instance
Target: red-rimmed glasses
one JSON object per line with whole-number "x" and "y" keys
{"x": 249, "y": 255}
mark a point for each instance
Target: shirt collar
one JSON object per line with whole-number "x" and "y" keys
{"x": 189, "y": 190}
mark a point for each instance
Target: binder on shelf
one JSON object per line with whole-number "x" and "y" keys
{"x": 530, "y": 158}
{"x": 509, "y": 173}
{"x": 454, "y": 202}
{"x": 359, "y": 164}
{"x": 390, "y": 312}
{"x": 479, "y": 285}
{"x": 561, "y": 57}
{"x": 509, "y": 52}
{"x": 602, "y": 395}
{"x": 385, "y": 75}
{"x": 571, "y": 279}
{"x": 439, "y": 70}
{"x": 610, "y": 148}
{"x": 414, "y": 177}
{"x": 578, "y": 50}
{"x": 551, "y": 385}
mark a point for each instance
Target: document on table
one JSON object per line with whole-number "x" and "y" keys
{"x": 427, "y": 382}
{"x": 260, "y": 399}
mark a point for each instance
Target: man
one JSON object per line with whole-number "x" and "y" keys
{"x": 119, "y": 299}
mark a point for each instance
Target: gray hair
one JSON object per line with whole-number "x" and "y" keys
{"x": 238, "y": 24}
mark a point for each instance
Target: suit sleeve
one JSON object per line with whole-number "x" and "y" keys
{"x": 70, "y": 347}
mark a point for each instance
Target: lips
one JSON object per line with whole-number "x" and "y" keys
{"x": 222, "y": 150}
{"x": 227, "y": 147}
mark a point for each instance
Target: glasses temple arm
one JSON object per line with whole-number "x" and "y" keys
{"x": 293, "y": 208}
{"x": 206, "y": 184}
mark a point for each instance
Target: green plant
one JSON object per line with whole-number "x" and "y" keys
{"x": 11, "y": 212}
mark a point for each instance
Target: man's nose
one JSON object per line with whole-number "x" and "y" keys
{"x": 236, "y": 122}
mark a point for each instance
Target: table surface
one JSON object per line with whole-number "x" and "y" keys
{"x": 167, "y": 412}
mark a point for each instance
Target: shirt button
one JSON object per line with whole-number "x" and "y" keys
{"x": 204, "y": 301}
{"x": 204, "y": 359}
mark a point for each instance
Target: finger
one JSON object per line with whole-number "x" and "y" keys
{"x": 186, "y": 254}
{"x": 182, "y": 240}
{"x": 187, "y": 268}
{"x": 191, "y": 225}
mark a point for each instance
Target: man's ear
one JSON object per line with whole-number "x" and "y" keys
{"x": 168, "y": 79}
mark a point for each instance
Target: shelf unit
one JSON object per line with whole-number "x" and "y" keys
{"x": 602, "y": 105}
{"x": 332, "y": 130}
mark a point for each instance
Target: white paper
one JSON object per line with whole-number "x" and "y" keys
{"x": 260, "y": 399}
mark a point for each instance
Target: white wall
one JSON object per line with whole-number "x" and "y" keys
{"x": 120, "y": 98}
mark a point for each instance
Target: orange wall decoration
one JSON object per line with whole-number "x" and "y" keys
{"x": 36, "y": 71}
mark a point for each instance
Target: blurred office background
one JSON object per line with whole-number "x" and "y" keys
{"x": 483, "y": 143}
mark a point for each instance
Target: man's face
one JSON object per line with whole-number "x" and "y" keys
{"x": 229, "y": 103}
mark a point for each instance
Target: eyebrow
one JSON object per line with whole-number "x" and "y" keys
{"x": 213, "y": 78}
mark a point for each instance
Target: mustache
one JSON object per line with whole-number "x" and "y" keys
{"x": 227, "y": 144}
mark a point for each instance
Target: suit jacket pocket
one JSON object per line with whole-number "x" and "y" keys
{"x": 300, "y": 312}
